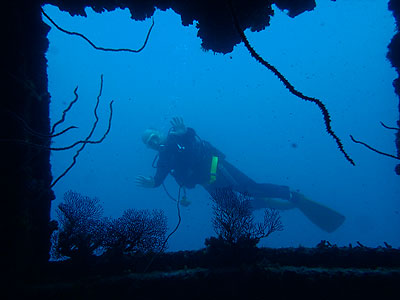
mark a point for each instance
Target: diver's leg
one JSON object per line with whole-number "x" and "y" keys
{"x": 322, "y": 216}
{"x": 262, "y": 193}
{"x": 245, "y": 184}
{"x": 228, "y": 176}
{"x": 274, "y": 203}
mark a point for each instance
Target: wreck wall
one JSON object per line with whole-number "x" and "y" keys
{"x": 25, "y": 169}
{"x": 394, "y": 57}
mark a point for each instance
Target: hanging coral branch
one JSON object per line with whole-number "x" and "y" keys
{"x": 397, "y": 168}
{"x": 34, "y": 132}
{"x": 373, "y": 149}
{"x": 289, "y": 86}
{"x": 46, "y": 137}
{"x": 93, "y": 45}
{"x": 87, "y": 141}
{"x": 53, "y": 128}
{"x": 27, "y": 84}
{"x": 387, "y": 127}
{"x": 88, "y": 137}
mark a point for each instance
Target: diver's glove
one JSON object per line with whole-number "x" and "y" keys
{"x": 178, "y": 127}
{"x": 145, "y": 181}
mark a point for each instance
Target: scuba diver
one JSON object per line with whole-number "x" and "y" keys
{"x": 191, "y": 161}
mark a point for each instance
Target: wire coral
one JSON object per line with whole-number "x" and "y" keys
{"x": 44, "y": 139}
{"x": 92, "y": 44}
{"x": 397, "y": 130}
{"x": 289, "y": 86}
{"x": 87, "y": 140}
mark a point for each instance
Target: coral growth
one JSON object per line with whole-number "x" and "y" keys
{"x": 136, "y": 231}
{"x": 81, "y": 226}
{"x": 84, "y": 232}
{"x": 290, "y": 87}
{"x": 233, "y": 220}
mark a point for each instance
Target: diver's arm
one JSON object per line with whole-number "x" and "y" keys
{"x": 152, "y": 182}
{"x": 160, "y": 176}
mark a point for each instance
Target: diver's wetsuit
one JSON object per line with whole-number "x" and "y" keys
{"x": 188, "y": 159}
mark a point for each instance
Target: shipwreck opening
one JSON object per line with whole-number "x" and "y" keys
{"x": 172, "y": 76}
{"x": 302, "y": 148}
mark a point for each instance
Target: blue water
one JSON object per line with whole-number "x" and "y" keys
{"x": 336, "y": 53}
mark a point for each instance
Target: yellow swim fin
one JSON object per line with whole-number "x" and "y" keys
{"x": 324, "y": 217}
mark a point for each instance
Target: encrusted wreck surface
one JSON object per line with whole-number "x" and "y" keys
{"x": 213, "y": 17}
{"x": 394, "y": 57}
{"x": 324, "y": 272}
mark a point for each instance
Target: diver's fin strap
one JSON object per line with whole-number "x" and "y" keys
{"x": 213, "y": 170}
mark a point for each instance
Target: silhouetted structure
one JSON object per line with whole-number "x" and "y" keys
{"x": 234, "y": 222}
